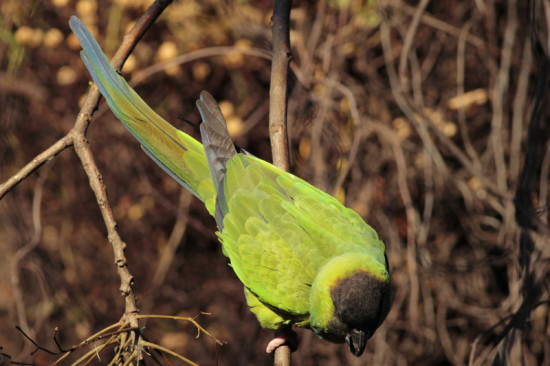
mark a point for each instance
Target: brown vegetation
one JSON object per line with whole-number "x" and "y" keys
{"x": 415, "y": 114}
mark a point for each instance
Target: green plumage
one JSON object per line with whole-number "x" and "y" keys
{"x": 303, "y": 257}
{"x": 279, "y": 230}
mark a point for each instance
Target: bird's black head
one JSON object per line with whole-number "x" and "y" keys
{"x": 361, "y": 303}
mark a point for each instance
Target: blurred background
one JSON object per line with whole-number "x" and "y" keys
{"x": 413, "y": 113}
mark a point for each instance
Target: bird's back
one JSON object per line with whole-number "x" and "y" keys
{"x": 278, "y": 230}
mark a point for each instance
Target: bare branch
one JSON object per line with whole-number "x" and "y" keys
{"x": 77, "y": 137}
{"x": 278, "y": 93}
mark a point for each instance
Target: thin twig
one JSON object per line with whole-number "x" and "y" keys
{"x": 402, "y": 179}
{"x": 168, "y": 351}
{"x": 498, "y": 96}
{"x": 411, "y": 214}
{"x": 178, "y": 231}
{"x": 460, "y": 73}
{"x": 357, "y": 133}
{"x": 141, "y": 75}
{"x": 518, "y": 116}
{"x": 409, "y": 38}
{"x": 35, "y": 163}
{"x": 25, "y": 250}
{"x": 444, "y": 27}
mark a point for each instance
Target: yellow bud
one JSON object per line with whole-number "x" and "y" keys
{"x": 53, "y": 38}
{"x": 86, "y": 7}
{"x": 450, "y": 129}
{"x": 167, "y": 51}
{"x": 344, "y": 105}
{"x": 305, "y": 148}
{"x": 201, "y": 70}
{"x": 66, "y": 75}
{"x": 341, "y": 195}
{"x": 402, "y": 128}
{"x": 23, "y": 34}
{"x": 60, "y": 3}
{"x": 234, "y": 126}
{"x": 477, "y": 186}
{"x": 227, "y": 108}
{"x": 348, "y": 48}
{"x": 342, "y": 164}
{"x": 28, "y": 36}
{"x": 243, "y": 44}
{"x": 135, "y": 212}
{"x": 130, "y": 64}
{"x": 476, "y": 96}
{"x": 319, "y": 90}
{"x": 233, "y": 60}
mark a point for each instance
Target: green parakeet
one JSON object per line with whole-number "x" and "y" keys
{"x": 303, "y": 257}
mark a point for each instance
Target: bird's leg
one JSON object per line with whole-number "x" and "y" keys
{"x": 284, "y": 335}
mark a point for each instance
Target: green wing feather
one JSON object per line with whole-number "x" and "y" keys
{"x": 177, "y": 153}
{"x": 279, "y": 231}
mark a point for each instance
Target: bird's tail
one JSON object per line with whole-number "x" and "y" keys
{"x": 177, "y": 153}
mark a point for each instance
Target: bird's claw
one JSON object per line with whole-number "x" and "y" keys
{"x": 284, "y": 336}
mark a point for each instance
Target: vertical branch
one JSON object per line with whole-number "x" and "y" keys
{"x": 77, "y": 138}
{"x": 278, "y": 93}
{"x": 499, "y": 96}
{"x": 82, "y": 149}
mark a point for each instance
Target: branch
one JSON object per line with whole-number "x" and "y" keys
{"x": 85, "y": 155}
{"x": 77, "y": 138}
{"x": 278, "y": 91}
{"x": 278, "y": 96}
{"x": 35, "y": 163}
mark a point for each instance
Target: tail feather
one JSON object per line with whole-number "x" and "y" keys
{"x": 177, "y": 153}
{"x": 218, "y": 146}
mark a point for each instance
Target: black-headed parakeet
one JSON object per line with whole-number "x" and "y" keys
{"x": 304, "y": 259}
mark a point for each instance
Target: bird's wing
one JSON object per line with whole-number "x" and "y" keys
{"x": 279, "y": 230}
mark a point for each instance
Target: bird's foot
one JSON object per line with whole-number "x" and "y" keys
{"x": 284, "y": 336}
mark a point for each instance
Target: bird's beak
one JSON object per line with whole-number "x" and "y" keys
{"x": 356, "y": 341}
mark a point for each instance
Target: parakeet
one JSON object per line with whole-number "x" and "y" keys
{"x": 304, "y": 259}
